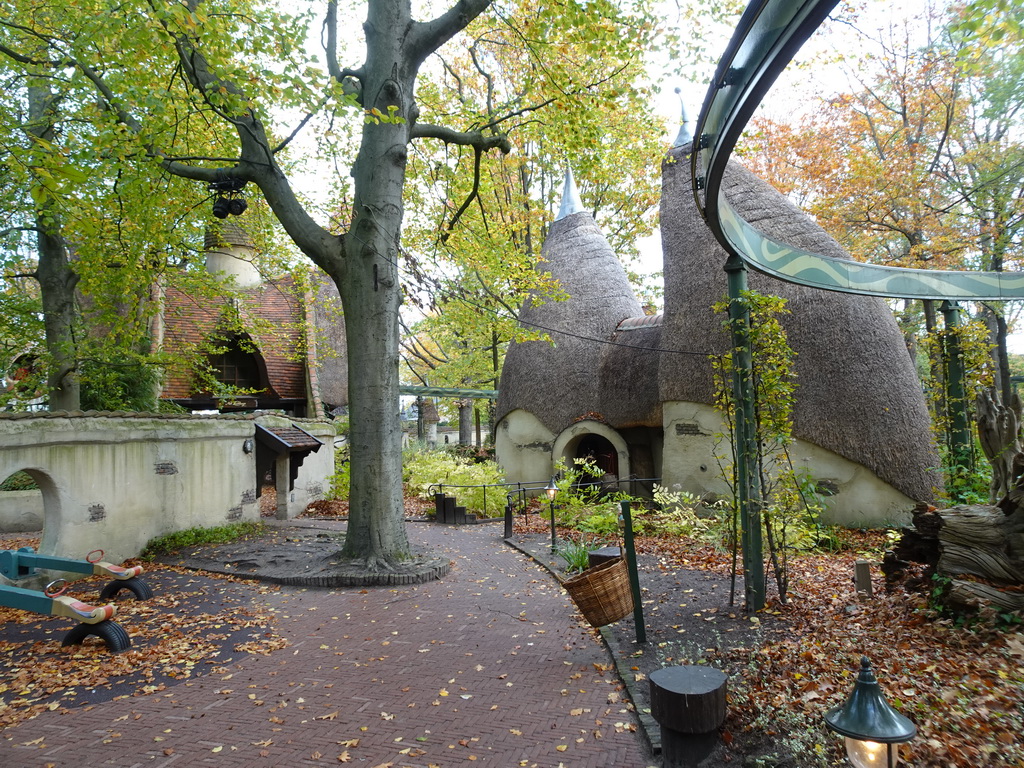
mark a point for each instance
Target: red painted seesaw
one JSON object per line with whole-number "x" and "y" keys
{"x": 93, "y": 620}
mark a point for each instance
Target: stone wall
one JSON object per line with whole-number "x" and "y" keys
{"x": 113, "y": 481}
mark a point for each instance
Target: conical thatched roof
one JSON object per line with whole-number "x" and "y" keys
{"x": 858, "y": 393}
{"x": 226, "y": 234}
{"x": 561, "y": 384}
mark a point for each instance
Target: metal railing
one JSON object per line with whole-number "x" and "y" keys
{"x": 513, "y": 487}
{"x": 637, "y": 486}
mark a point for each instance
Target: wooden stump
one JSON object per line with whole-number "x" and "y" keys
{"x": 603, "y": 555}
{"x": 689, "y": 704}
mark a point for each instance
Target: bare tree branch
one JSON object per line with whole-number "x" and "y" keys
{"x": 477, "y": 153}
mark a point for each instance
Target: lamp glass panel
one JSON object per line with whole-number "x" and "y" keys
{"x": 871, "y": 754}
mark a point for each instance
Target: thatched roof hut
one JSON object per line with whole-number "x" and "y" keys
{"x": 858, "y": 393}
{"x": 560, "y": 383}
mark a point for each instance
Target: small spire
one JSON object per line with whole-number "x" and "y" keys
{"x": 571, "y": 202}
{"x": 684, "y": 136}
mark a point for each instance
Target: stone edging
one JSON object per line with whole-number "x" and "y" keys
{"x": 430, "y": 571}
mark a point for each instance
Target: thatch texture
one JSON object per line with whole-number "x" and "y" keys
{"x": 629, "y": 374}
{"x": 226, "y": 234}
{"x": 560, "y": 384}
{"x": 858, "y": 394}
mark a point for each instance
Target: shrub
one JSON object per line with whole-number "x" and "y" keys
{"x": 19, "y": 481}
{"x": 677, "y": 515}
{"x": 422, "y": 469}
{"x": 338, "y": 483}
{"x": 603, "y": 520}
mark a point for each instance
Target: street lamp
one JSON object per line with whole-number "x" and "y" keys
{"x": 872, "y": 728}
{"x": 551, "y": 490}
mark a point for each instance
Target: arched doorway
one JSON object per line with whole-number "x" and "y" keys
{"x": 600, "y": 444}
{"x": 598, "y": 450}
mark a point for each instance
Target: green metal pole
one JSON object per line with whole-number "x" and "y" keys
{"x": 554, "y": 541}
{"x": 960, "y": 437}
{"x": 634, "y": 575}
{"x": 748, "y": 486}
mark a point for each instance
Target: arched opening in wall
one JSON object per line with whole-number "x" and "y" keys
{"x": 599, "y": 444}
{"x": 599, "y": 451}
{"x": 23, "y": 509}
{"x": 602, "y": 462}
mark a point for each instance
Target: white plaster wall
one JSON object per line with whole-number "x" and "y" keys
{"x": 694, "y": 453}
{"x": 21, "y": 511}
{"x": 114, "y": 483}
{"x": 522, "y": 446}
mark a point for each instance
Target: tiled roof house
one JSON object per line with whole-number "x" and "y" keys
{"x": 272, "y": 345}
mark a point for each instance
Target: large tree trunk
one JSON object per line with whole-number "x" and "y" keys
{"x": 57, "y": 280}
{"x": 371, "y": 295}
{"x": 466, "y": 421}
{"x": 363, "y": 262}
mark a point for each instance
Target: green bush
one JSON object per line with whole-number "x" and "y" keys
{"x": 123, "y": 384}
{"x": 19, "y": 481}
{"x": 677, "y": 513}
{"x": 423, "y": 468}
{"x": 338, "y": 483}
{"x": 602, "y": 521}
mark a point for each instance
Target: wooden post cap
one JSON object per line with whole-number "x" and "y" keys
{"x": 603, "y": 555}
{"x": 688, "y": 699}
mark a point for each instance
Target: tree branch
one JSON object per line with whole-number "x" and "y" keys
{"x": 477, "y": 153}
{"x": 475, "y": 139}
{"x": 343, "y": 75}
{"x": 425, "y": 37}
{"x": 12, "y": 230}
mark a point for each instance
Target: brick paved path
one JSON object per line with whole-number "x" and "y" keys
{"x": 488, "y": 666}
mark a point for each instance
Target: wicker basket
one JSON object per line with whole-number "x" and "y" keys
{"x": 602, "y": 593}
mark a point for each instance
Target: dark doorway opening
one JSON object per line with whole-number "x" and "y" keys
{"x": 600, "y": 452}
